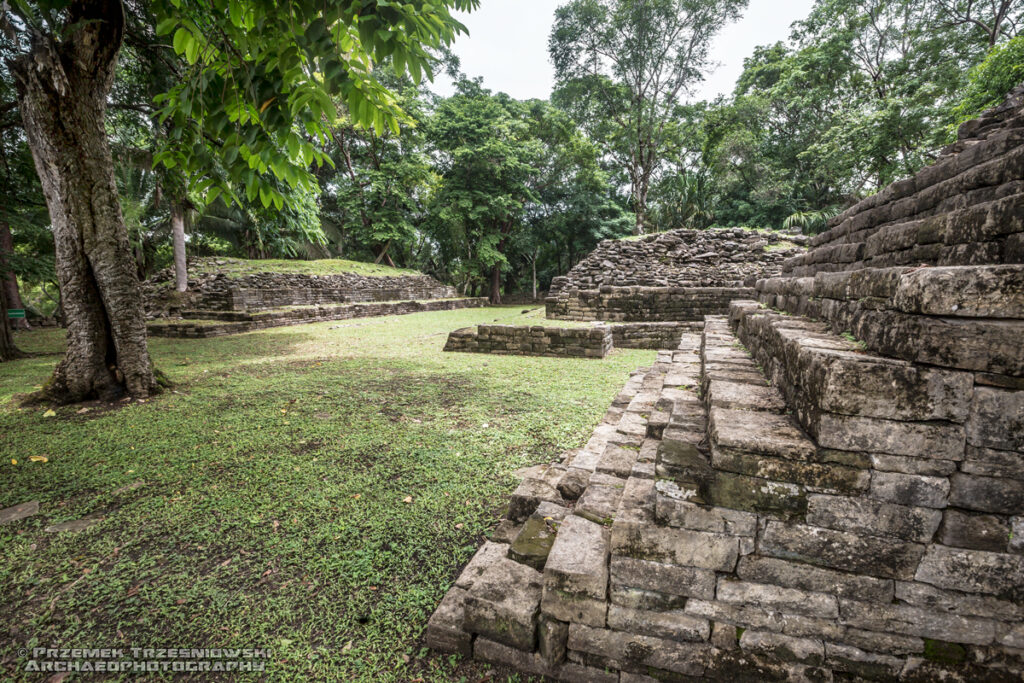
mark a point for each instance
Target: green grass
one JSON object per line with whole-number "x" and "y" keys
{"x": 272, "y": 513}
{"x": 236, "y": 267}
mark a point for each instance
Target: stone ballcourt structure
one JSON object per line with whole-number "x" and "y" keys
{"x": 824, "y": 483}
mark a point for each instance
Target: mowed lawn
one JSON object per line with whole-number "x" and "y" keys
{"x": 313, "y": 490}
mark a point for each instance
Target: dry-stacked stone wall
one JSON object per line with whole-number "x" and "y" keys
{"x": 261, "y": 291}
{"x": 533, "y": 340}
{"x": 579, "y": 342}
{"x": 676, "y": 275}
{"x": 826, "y": 484}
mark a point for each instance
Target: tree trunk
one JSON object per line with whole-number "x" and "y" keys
{"x": 495, "y": 297}
{"x": 178, "y": 238}
{"x": 8, "y": 280}
{"x": 533, "y": 267}
{"x": 8, "y": 351}
{"x": 62, "y": 89}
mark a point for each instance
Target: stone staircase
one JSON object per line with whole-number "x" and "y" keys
{"x": 803, "y": 510}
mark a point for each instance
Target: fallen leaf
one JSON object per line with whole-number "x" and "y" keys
{"x": 225, "y": 562}
{"x": 348, "y": 646}
{"x": 49, "y": 413}
{"x": 13, "y": 461}
{"x": 38, "y": 458}
{"x": 357, "y": 496}
{"x": 276, "y": 524}
{"x": 458, "y": 526}
{"x": 407, "y": 499}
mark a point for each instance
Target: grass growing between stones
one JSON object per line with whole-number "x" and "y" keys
{"x": 272, "y": 506}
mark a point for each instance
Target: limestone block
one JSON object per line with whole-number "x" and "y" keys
{"x": 778, "y": 572}
{"x": 871, "y": 517}
{"x": 741, "y": 396}
{"x": 969, "y": 291}
{"x": 926, "y": 596}
{"x": 918, "y": 439}
{"x": 911, "y": 465}
{"x": 489, "y": 553}
{"x": 871, "y": 555}
{"x": 552, "y": 638}
{"x": 760, "y": 618}
{"x": 741, "y": 492}
{"x": 974, "y": 571}
{"x": 444, "y": 631}
{"x": 914, "y": 621}
{"x": 977, "y": 532}
{"x": 532, "y": 544}
{"x": 997, "y": 419}
{"x": 675, "y": 546}
{"x": 573, "y": 482}
{"x": 662, "y": 577}
{"x": 528, "y": 495}
{"x": 685, "y": 515}
{"x": 778, "y": 599}
{"x": 601, "y": 499}
{"x": 987, "y": 494}
{"x": 909, "y": 489}
{"x": 866, "y": 665}
{"x": 988, "y": 462}
{"x": 503, "y": 604}
{"x": 743, "y": 431}
{"x": 576, "y": 573}
{"x": 617, "y": 460}
{"x": 784, "y": 648}
{"x": 818, "y": 476}
{"x": 638, "y": 653}
{"x": 671, "y": 625}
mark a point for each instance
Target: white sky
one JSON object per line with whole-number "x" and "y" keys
{"x": 508, "y": 45}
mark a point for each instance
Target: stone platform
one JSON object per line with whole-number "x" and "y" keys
{"x": 703, "y": 532}
{"x": 567, "y": 342}
{"x": 203, "y": 324}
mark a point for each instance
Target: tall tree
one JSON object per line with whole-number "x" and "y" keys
{"x": 259, "y": 72}
{"x": 622, "y": 67}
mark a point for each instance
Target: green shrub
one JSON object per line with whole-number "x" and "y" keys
{"x": 1000, "y": 72}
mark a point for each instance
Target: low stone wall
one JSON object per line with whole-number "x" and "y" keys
{"x": 237, "y": 323}
{"x": 652, "y": 336}
{"x": 534, "y": 340}
{"x": 642, "y": 304}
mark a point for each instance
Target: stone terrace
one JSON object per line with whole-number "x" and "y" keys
{"x": 826, "y": 484}
{"x": 676, "y": 275}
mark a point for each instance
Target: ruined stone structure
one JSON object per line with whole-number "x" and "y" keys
{"x": 217, "y": 304}
{"x": 570, "y": 342}
{"x": 675, "y": 275}
{"x": 826, "y": 484}
{"x": 262, "y": 291}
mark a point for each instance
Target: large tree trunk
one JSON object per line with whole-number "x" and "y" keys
{"x": 178, "y": 240}
{"x": 495, "y": 297}
{"x": 62, "y": 89}
{"x": 8, "y": 280}
{"x": 8, "y": 351}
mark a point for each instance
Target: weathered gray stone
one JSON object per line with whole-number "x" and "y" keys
{"x": 672, "y": 625}
{"x": 784, "y": 648}
{"x": 533, "y": 543}
{"x": 20, "y": 511}
{"x": 910, "y": 489}
{"x": 744, "y": 431}
{"x": 742, "y": 396}
{"x": 757, "y": 617}
{"x": 988, "y": 462}
{"x": 576, "y": 574}
{"x": 552, "y": 636}
{"x": 914, "y": 621}
{"x": 818, "y": 476}
{"x": 954, "y": 602}
{"x": 770, "y": 570}
{"x": 675, "y": 546}
{"x": 872, "y": 517}
{"x": 966, "y": 291}
{"x": 638, "y": 653}
{"x": 918, "y": 439}
{"x": 600, "y": 501}
{"x": 617, "y": 460}
{"x": 573, "y": 483}
{"x": 973, "y": 571}
{"x": 871, "y": 555}
{"x": 528, "y": 495}
{"x": 978, "y": 532}
{"x": 505, "y": 532}
{"x": 686, "y": 515}
{"x": 775, "y": 598}
{"x": 987, "y": 494}
{"x": 444, "y": 631}
{"x": 997, "y": 419}
{"x": 1017, "y": 535}
{"x": 663, "y": 578}
{"x": 866, "y": 665}
{"x": 638, "y": 598}
{"x": 503, "y": 604}
{"x": 489, "y": 553}
{"x": 754, "y": 494}
{"x": 888, "y": 643}
{"x": 909, "y": 465}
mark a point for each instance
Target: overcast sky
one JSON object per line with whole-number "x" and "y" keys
{"x": 508, "y": 45}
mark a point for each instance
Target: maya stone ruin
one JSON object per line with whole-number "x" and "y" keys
{"x": 825, "y": 482}
{"x": 217, "y": 304}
